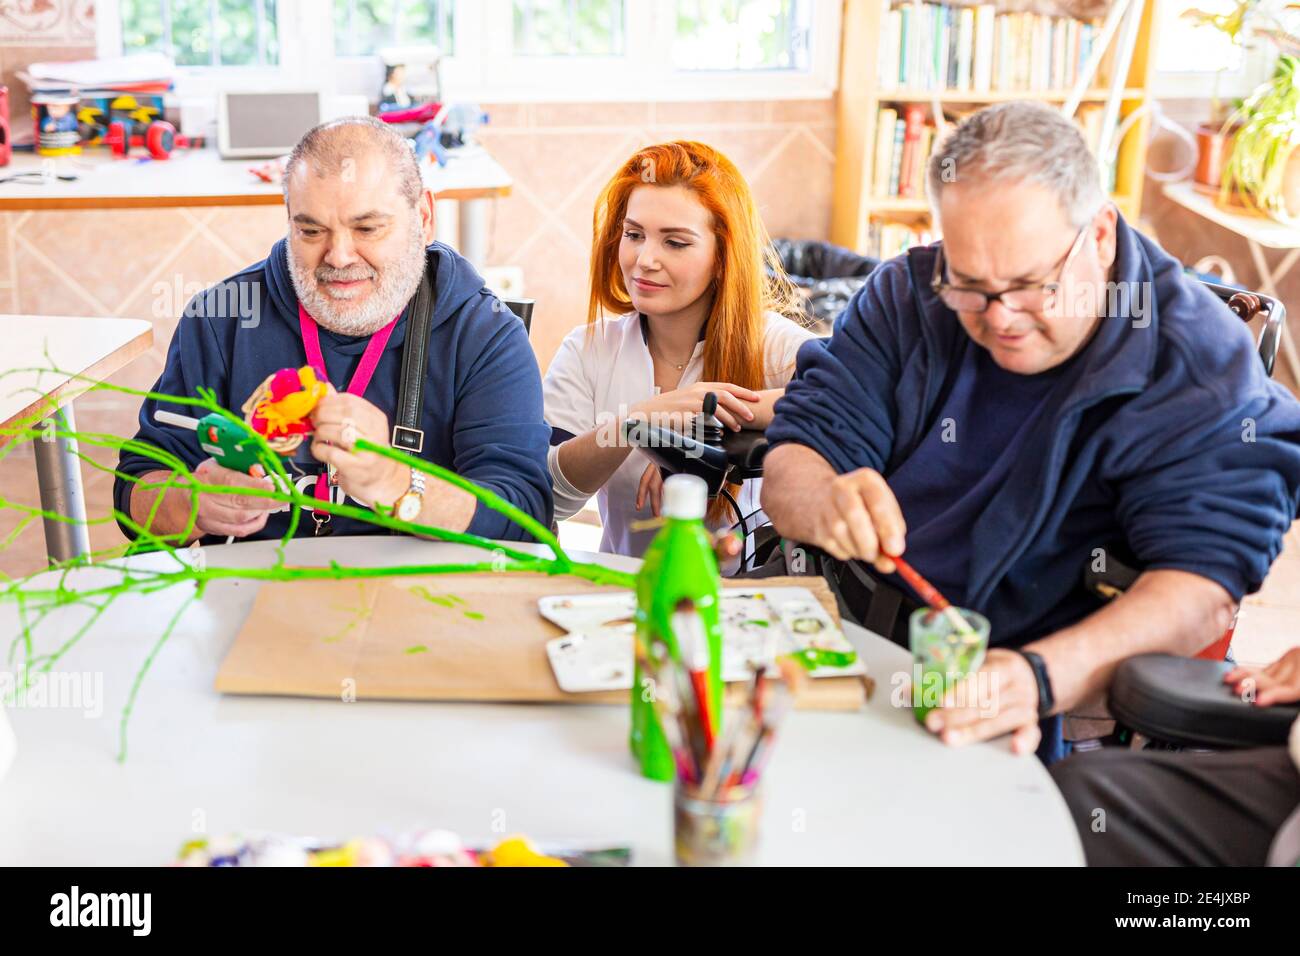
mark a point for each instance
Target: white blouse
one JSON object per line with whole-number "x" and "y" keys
{"x": 598, "y": 375}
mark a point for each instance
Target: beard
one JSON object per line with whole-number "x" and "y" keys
{"x": 393, "y": 287}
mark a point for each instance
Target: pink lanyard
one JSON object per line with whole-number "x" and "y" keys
{"x": 360, "y": 378}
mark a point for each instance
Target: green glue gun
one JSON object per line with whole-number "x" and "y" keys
{"x": 229, "y": 443}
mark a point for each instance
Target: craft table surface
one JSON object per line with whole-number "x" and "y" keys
{"x": 93, "y": 347}
{"x": 201, "y": 177}
{"x": 870, "y": 787}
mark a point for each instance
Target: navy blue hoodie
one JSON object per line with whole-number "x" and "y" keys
{"x": 1165, "y": 444}
{"x": 482, "y": 395}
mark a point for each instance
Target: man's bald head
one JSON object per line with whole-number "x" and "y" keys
{"x": 333, "y": 148}
{"x": 359, "y": 222}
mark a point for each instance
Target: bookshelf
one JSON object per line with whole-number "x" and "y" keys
{"x": 860, "y": 209}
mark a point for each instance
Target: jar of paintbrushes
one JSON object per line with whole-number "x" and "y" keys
{"x": 717, "y": 803}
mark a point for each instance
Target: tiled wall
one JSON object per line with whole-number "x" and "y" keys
{"x": 32, "y": 31}
{"x": 560, "y": 155}
{"x": 110, "y": 262}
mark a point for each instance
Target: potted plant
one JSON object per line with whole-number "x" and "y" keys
{"x": 1264, "y": 166}
{"x": 1214, "y": 138}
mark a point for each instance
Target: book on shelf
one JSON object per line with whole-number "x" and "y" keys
{"x": 985, "y": 18}
{"x": 905, "y": 138}
{"x": 913, "y": 121}
{"x": 977, "y": 49}
{"x": 896, "y": 156}
{"x": 888, "y": 239}
{"x": 965, "y": 42}
{"x": 886, "y": 123}
{"x": 1089, "y": 117}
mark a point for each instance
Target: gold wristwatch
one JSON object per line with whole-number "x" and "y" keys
{"x": 407, "y": 507}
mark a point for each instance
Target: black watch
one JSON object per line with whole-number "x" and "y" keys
{"x": 1046, "y": 700}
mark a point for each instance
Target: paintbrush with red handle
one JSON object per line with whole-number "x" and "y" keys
{"x": 931, "y": 596}
{"x": 693, "y": 646}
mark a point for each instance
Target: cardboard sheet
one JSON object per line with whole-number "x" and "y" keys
{"x": 436, "y": 637}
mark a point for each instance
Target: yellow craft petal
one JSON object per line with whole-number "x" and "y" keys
{"x": 517, "y": 851}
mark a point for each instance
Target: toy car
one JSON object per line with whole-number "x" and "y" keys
{"x": 123, "y": 122}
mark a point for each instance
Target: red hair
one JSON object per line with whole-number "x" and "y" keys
{"x": 749, "y": 280}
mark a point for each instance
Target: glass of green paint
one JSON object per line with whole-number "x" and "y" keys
{"x": 942, "y": 655}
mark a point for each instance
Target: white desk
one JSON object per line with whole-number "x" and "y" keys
{"x": 870, "y": 787}
{"x": 1260, "y": 233}
{"x": 201, "y": 177}
{"x": 93, "y": 348}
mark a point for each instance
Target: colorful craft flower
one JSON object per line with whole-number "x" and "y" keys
{"x": 279, "y": 410}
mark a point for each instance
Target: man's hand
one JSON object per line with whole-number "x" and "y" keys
{"x": 1278, "y": 683}
{"x": 1001, "y": 697}
{"x": 856, "y": 515}
{"x": 232, "y": 514}
{"x": 339, "y": 420}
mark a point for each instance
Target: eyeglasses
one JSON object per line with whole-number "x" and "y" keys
{"x": 1034, "y": 298}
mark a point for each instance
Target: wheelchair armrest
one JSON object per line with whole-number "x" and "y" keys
{"x": 745, "y": 450}
{"x": 1183, "y": 701}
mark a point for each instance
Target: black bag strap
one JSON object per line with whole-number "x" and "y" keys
{"x": 868, "y": 601}
{"x": 407, "y": 434}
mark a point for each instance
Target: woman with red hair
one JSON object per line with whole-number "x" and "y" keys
{"x": 687, "y": 298}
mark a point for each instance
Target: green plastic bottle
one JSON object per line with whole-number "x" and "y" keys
{"x": 680, "y": 563}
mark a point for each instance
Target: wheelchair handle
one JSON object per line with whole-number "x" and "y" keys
{"x": 1248, "y": 305}
{"x": 678, "y": 454}
{"x": 712, "y": 453}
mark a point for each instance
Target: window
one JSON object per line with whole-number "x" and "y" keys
{"x": 494, "y": 51}
{"x": 568, "y": 27}
{"x": 1189, "y": 47}
{"x": 203, "y": 32}
{"x": 363, "y": 27}
{"x": 742, "y": 34}
{"x": 1198, "y": 61}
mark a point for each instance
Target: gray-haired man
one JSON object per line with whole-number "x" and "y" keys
{"x": 1042, "y": 390}
{"x": 340, "y": 292}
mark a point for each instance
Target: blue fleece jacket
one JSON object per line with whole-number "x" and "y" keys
{"x": 482, "y": 413}
{"x": 1166, "y": 444}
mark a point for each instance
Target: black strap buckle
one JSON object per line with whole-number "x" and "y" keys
{"x": 415, "y": 352}
{"x": 408, "y": 439}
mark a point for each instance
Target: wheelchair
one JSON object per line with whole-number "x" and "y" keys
{"x": 1157, "y": 700}
{"x": 1165, "y": 702}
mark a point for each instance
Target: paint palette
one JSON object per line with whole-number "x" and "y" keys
{"x": 585, "y": 661}
{"x": 584, "y": 612}
{"x": 758, "y": 625}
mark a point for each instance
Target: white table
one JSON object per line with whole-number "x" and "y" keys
{"x": 1260, "y": 233}
{"x": 869, "y": 787}
{"x": 92, "y": 348}
{"x": 201, "y": 177}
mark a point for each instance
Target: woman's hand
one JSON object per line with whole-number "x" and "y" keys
{"x": 650, "y": 490}
{"x": 736, "y": 405}
{"x": 1278, "y": 683}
